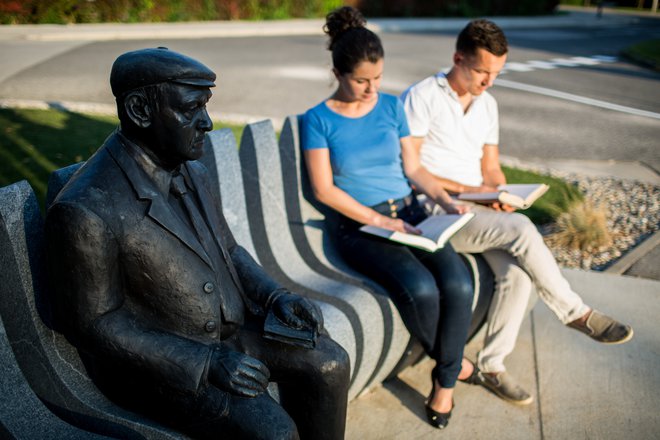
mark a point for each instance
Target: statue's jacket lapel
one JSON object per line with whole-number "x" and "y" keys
{"x": 159, "y": 209}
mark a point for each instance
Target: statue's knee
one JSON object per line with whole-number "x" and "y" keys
{"x": 263, "y": 419}
{"x": 332, "y": 364}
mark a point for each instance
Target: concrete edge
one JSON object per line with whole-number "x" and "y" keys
{"x": 229, "y": 29}
{"x": 634, "y": 255}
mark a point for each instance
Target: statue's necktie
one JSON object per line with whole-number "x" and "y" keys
{"x": 178, "y": 188}
{"x": 232, "y": 304}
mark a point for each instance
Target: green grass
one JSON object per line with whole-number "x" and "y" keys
{"x": 33, "y": 143}
{"x": 646, "y": 53}
{"x": 557, "y": 200}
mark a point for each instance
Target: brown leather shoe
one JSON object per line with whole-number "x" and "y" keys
{"x": 603, "y": 328}
{"x": 505, "y": 387}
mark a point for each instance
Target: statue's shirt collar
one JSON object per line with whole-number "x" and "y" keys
{"x": 160, "y": 176}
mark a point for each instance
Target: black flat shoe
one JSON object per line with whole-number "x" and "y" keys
{"x": 472, "y": 379}
{"x": 437, "y": 419}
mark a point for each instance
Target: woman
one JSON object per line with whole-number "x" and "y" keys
{"x": 360, "y": 161}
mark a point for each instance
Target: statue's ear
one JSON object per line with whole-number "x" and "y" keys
{"x": 138, "y": 109}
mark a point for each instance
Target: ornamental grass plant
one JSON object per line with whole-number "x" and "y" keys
{"x": 582, "y": 227}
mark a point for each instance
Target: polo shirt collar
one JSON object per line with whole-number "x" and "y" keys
{"x": 441, "y": 80}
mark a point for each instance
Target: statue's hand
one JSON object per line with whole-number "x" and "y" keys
{"x": 297, "y": 312}
{"x": 238, "y": 373}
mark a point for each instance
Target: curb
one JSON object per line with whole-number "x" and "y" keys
{"x": 235, "y": 29}
{"x": 634, "y": 255}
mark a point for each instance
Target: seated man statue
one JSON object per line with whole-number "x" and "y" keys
{"x": 165, "y": 308}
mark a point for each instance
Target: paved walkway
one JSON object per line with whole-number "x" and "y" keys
{"x": 582, "y": 389}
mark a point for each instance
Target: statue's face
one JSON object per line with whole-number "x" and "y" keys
{"x": 180, "y": 123}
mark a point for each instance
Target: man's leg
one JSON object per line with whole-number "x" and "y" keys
{"x": 313, "y": 383}
{"x": 517, "y": 235}
{"x": 248, "y": 418}
{"x": 507, "y": 310}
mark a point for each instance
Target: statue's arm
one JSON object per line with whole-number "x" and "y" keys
{"x": 85, "y": 273}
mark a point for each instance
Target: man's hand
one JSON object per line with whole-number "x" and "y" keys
{"x": 484, "y": 189}
{"x": 498, "y": 206}
{"x": 237, "y": 373}
{"x": 297, "y": 312}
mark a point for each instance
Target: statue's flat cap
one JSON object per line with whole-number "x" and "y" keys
{"x": 146, "y": 67}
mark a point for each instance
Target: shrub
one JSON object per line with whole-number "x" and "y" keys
{"x": 463, "y": 8}
{"x": 583, "y": 227}
{"x": 93, "y": 11}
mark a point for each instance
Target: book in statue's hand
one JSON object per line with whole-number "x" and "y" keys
{"x": 518, "y": 195}
{"x": 436, "y": 231}
{"x": 277, "y": 330}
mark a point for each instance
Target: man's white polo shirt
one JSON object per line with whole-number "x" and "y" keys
{"x": 453, "y": 140}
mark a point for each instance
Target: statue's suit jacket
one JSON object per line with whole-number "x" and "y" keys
{"x": 133, "y": 288}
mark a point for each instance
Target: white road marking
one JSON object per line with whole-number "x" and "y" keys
{"x": 543, "y": 65}
{"x": 309, "y": 73}
{"x": 564, "y": 62}
{"x": 575, "y": 98}
{"x": 518, "y": 67}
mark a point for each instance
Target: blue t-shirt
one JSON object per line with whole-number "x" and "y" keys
{"x": 365, "y": 152}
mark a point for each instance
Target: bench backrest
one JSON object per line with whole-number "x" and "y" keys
{"x": 304, "y": 209}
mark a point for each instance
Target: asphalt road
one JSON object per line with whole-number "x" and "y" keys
{"x": 552, "y": 104}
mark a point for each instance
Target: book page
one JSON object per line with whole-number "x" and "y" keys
{"x": 522, "y": 190}
{"x": 434, "y": 226}
{"x": 436, "y": 230}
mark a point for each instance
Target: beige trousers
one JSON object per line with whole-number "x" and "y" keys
{"x": 519, "y": 258}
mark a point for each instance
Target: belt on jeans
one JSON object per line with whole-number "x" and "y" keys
{"x": 392, "y": 206}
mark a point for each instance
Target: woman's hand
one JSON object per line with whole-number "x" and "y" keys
{"x": 395, "y": 224}
{"x": 452, "y": 208}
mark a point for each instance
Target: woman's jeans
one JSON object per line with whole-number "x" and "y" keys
{"x": 432, "y": 291}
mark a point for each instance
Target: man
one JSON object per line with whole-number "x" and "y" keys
{"x": 166, "y": 309}
{"x": 454, "y": 122}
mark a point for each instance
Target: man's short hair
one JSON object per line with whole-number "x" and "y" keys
{"x": 482, "y": 34}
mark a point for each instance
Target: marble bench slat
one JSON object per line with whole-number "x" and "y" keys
{"x": 384, "y": 339}
{"x": 22, "y": 414}
{"x": 222, "y": 161}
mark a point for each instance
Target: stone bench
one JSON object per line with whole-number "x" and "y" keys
{"x": 267, "y": 201}
{"x": 265, "y": 197}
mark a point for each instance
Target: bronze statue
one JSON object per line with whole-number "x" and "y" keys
{"x": 166, "y": 309}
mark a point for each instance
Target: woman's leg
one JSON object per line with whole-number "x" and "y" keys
{"x": 410, "y": 284}
{"x": 456, "y": 294}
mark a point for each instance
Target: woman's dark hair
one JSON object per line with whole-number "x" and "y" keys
{"x": 350, "y": 41}
{"x": 482, "y": 34}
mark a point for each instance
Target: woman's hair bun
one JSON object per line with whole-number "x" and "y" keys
{"x": 341, "y": 20}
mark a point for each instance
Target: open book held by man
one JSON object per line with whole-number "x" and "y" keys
{"x": 518, "y": 195}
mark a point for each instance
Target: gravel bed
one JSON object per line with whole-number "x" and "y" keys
{"x": 633, "y": 209}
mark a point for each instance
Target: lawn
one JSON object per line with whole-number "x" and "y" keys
{"x": 646, "y": 53}
{"x": 33, "y": 143}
